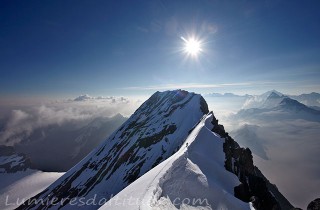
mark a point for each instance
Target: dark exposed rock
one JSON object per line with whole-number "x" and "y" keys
{"x": 284, "y": 203}
{"x": 256, "y": 202}
{"x": 6, "y": 150}
{"x": 314, "y": 205}
{"x": 148, "y": 141}
{"x": 204, "y": 106}
{"x": 242, "y": 192}
{"x": 13, "y": 161}
{"x": 254, "y": 186}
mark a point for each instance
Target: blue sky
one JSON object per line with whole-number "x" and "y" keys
{"x": 68, "y": 48}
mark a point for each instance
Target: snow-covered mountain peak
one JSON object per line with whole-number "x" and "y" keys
{"x": 273, "y": 100}
{"x": 291, "y": 105}
{"x": 273, "y": 95}
{"x": 265, "y": 100}
{"x": 291, "y": 102}
{"x": 152, "y": 134}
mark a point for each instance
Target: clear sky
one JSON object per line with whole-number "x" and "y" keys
{"x": 63, "y": 47}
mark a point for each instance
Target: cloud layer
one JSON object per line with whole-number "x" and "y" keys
{"x": 290, "y": 146}
{"x": 21, "y": 122}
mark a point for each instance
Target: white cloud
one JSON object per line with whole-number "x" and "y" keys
{"x": 23, "y": 121}
{"x": 292, "y": 145}
{"x": 109, "y": 99}
{"x": 254, "y": 101}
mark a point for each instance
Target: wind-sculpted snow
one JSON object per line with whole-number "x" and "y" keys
{"x": 152, "y": 134}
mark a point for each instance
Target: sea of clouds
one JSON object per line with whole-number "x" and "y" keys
{"x": 19, "y": 122}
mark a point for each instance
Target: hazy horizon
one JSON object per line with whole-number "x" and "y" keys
{"x": 129, "y": 48}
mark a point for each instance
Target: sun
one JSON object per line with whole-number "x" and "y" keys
{"x": 192, "y": 46}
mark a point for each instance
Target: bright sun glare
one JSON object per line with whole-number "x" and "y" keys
{"x": 192, "y": 46}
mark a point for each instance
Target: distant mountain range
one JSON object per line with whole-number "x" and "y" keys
{"x": 256, "y": 101}
{"x": 279, "y": 107}
{"x": 281, "y": 131}
{"x": 311, "y": 99}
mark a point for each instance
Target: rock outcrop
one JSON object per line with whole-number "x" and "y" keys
{"x": 11, "y": 161}
{"x": 314, "y": 205}
{"x": 254, "y": 186}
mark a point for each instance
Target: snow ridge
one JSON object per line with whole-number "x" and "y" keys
{"x": 193, "y": 178}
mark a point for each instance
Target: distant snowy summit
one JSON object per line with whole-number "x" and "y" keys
{"x": 272, "y": 98}
{"x": 276, "y": 106}
{"x": 169, "y": 154}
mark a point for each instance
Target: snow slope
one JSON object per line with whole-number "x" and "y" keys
{"x": 19, "y": 186}
{"x": 192, "y": 178}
